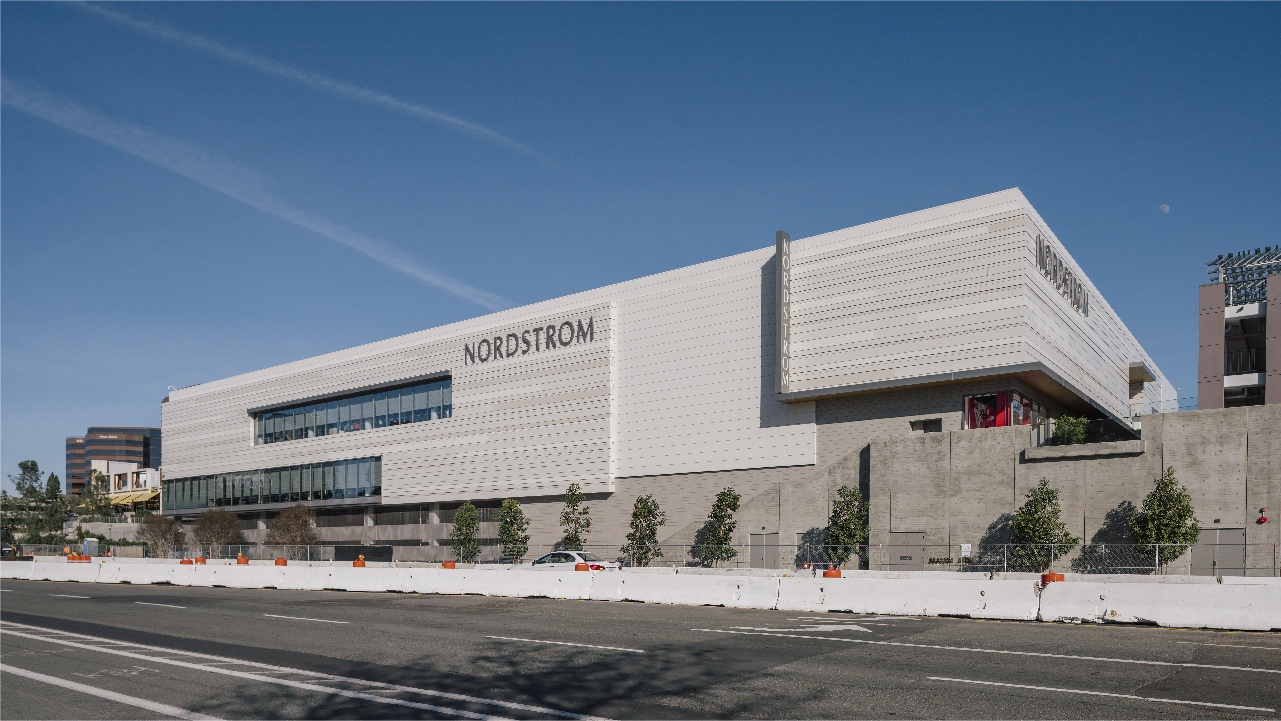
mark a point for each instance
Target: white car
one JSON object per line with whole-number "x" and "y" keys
{"x": 566, "y": 560}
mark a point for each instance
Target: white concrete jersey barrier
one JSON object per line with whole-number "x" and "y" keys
{"x": 1247, "y": 604}
{"x": 1015, "y": 600}
{"x": 1240, "y": 606}
{"x": 697, "y": 590}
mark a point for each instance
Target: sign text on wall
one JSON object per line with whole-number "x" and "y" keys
{"x": 1054, "y": 268}
{"x": 783, "y": 309}
{"x": 530, "y": 340}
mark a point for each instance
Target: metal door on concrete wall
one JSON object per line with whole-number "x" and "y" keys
{"x": 763, "y": 552}
{"x": 1219, "y": 552}
{"x": 906, "y": 551}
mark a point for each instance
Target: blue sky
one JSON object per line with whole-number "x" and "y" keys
{"x": 197, "y": 190}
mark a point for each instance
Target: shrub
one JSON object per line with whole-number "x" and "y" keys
{"x": 1070, "y": 430}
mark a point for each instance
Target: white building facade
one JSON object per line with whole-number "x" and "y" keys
{"x": 725, "y": 373}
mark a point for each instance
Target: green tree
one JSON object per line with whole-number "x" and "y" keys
{"x": 53, "y": 488}
{"x": 1037, "y": 529}
{"x": 1167, "y": 517}
{"x": 713, "y": 542}
{"x": 29, "y": 483}
{"x": 513, "y": 529}
{"x": 465, "y": 533}
{"x": 642, "y": 541}
{"x": 575, "y": 519}
{"x": 847, "y": 526}
{"x": 1070, "y": 430}
{"x": 94, "y": 499}
{"x": 290, "y": 527}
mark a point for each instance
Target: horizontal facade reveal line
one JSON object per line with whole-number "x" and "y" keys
{"x": 546, "y": 400}
{"x": 552, "y": 370}
{"x": 853, "y": 247}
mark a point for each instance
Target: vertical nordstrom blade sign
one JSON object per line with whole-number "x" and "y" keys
{"x": 783, "y": 309}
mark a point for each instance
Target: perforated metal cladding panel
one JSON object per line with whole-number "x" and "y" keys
{"x": 526, "y": 421}
{"x": 535, "y": 416}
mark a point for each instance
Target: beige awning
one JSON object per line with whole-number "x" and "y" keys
{"x": 145, "y": 496}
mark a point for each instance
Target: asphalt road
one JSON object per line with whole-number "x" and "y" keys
{"x": 73, "y": 651}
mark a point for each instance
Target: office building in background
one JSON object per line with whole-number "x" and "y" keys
{"x": 140, "y": 446}
{"x": 1235, "y": 366}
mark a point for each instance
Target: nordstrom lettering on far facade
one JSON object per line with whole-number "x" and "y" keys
{"x": 771, "y": 371}
{"x": 529, "y": 340}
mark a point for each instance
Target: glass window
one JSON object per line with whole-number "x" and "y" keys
{"x": 406, "y": 405}
{"x": 393, "y": 408}
{"x": 344, "y": 417}
{"x": 353, "y": 404}
{"x": 367, "y": 476}
{"x": 447, "y": 399}
{"x": 420, "y": 403}
{"x": 411, "y": 404}
{"x": 987, "y": 411}
{"x": 434, "y": 399}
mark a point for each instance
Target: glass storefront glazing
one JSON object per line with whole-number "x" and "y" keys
{"x": 355, "y": 478}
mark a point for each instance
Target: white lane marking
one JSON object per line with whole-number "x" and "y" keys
{"x": 110, "y": 695}
{"x": 565, "y": 643}
{"x": 268, "y": 679}
{"x": 1103, "y": 693}
{"x": 300, "y": 618}
{"x": 825, "y": 627}
{"x": 993, "y": 650}
{"x": 1232, "y": 645}
{"x": 66, "y": 595}
{"x": 144, "y": 603}
{"x": 5, "y": 627}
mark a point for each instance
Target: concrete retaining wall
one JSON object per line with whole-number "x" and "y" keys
{"x": 1242, "y": 606}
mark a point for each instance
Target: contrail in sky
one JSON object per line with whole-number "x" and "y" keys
{"x": 315, "y": 80}
{"x": 226, "y": 177}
